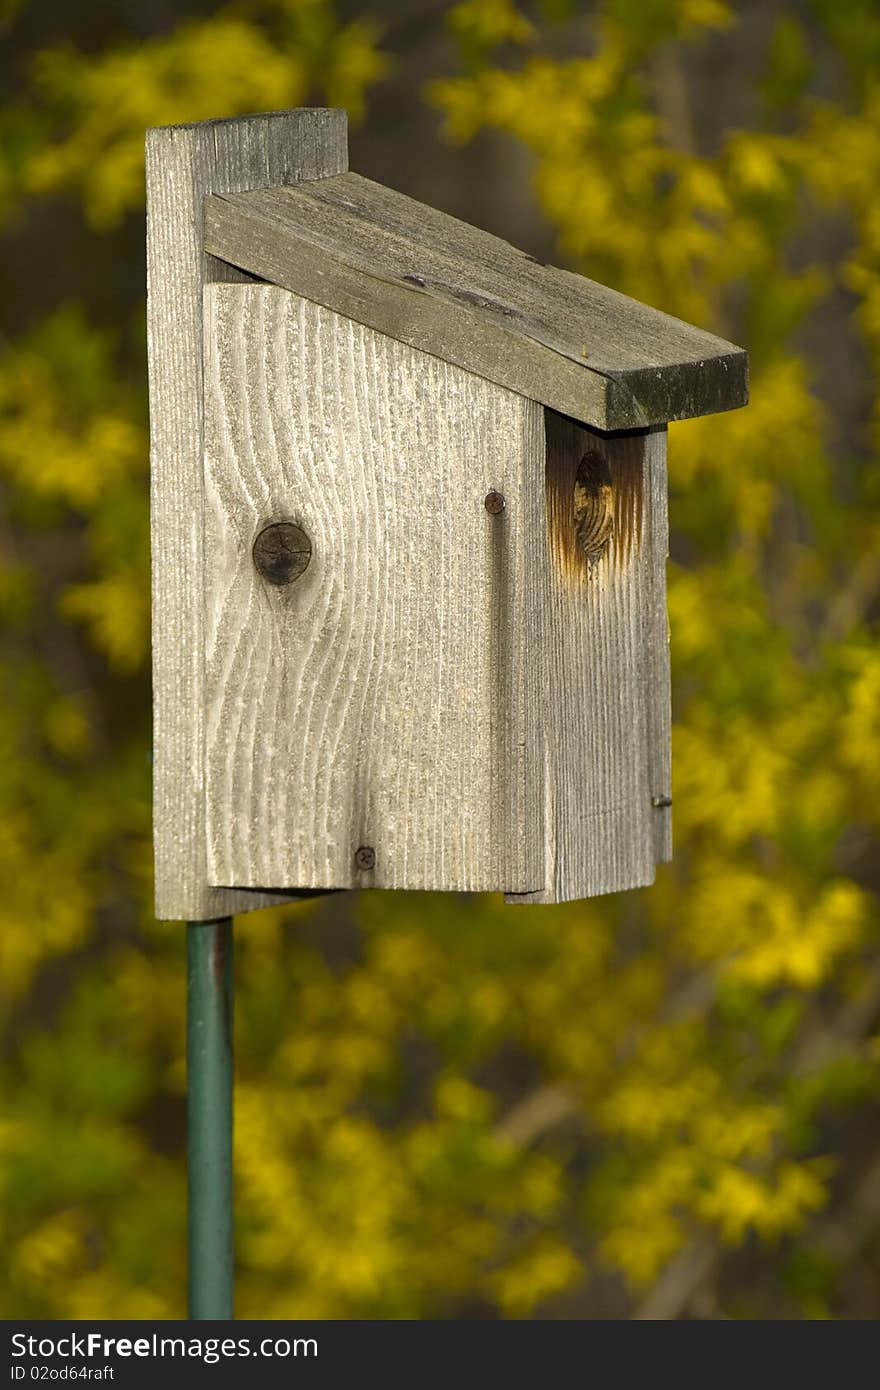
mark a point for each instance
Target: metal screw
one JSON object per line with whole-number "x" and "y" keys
{"x": 365, "y": 857}
{"x": 494, "y": 502}
{"x": 661, "y": 801}
{"x": 282, "y": 552}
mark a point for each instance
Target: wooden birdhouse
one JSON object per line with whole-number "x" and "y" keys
{"x": 409, "y": 538}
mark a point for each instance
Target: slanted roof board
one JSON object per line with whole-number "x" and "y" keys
{"x": 462, "y": 294}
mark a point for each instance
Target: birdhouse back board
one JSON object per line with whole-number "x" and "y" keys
{"x": 184, "y": 163}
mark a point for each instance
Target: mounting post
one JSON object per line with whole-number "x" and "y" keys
{"x": 209, "y": 1112}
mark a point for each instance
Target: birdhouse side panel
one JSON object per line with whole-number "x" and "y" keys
{"x": 606, "y": 705}
{"x": 371, "y": 694}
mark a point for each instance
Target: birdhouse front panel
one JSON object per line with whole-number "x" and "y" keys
{"x": 372, "y": 696}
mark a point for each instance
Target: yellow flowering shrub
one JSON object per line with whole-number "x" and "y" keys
{"x": 446, "y": 1106}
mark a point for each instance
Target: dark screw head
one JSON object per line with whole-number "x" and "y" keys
{"x": 661, "y": 802}
{"x": 282, "y": 552}
{"x": 494, "y": 502}
{"x": 365, "y": 858}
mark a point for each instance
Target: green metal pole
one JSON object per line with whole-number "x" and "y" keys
{"x": 209, "y": 1112}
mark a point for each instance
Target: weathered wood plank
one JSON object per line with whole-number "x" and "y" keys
{"x": 183, "y": 164}
{"x": 657, "y": 643}
{"x": 438, "y": 284}
{"x": 606, "y": 696}
{"x": 387, "y": 698}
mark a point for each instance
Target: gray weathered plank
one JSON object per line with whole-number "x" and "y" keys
{"x": 388, "y": 697}
{"x": 183, "y": 164}
{"x": 438, "y": 284}
{"x": 657, "y": 645}
{"x": 606, "y": 697}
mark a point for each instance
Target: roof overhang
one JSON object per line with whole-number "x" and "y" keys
{"x": 449, "y": 289}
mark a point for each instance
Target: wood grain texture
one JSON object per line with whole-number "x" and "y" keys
{"x": 183, "y": 164}
{"x": 657, "y": 645}
{"x": 606, "y": 701}
{"x": 436, "y": 283}
{"x": 388, "y": 697}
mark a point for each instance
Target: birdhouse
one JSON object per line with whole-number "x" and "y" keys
{"x": 409, "y": 539}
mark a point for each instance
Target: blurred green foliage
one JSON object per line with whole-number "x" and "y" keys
{"x": 444, "y": 1105}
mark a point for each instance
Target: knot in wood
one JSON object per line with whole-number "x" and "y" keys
{"x": 282, "y": 552}
{"x": 593, "y": 505}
